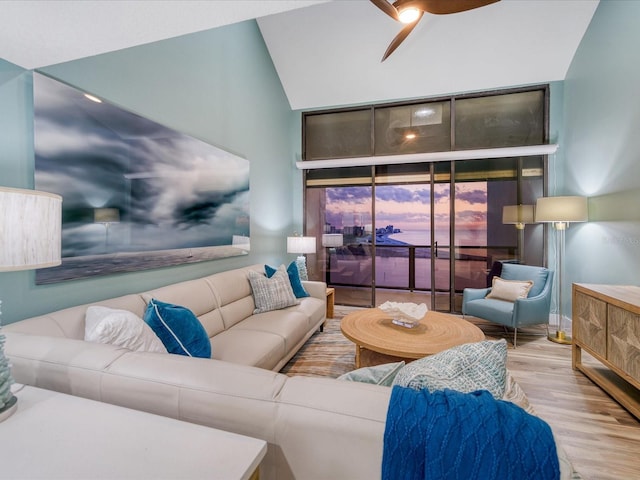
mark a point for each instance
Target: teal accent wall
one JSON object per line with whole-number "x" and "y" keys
{"x": 602, "y": 149}
{"x": 219, "y": 86}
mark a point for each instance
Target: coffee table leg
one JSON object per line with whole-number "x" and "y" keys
{"x": 358, "y": 350}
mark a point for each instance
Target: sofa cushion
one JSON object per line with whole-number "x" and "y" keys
{"x": 379, "y": 374}
{"x": 466, "y": 368}
{"x": 271, "y": 293}
{"x": 121, "y": 328}
{"x": 178, "y": 328}
{"x": 509, "y": 290}
{"x": 289, "y": 324}
{"x": 294, "y": 279}
{"x": 249, "y": 347}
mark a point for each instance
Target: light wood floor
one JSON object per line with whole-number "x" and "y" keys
{"x": 600, "y": 437}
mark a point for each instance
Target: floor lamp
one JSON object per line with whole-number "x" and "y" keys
{"x": 301, "y": 245}
{"x": 518, "y": 215}
{"x": 560, "y": 212}
{"x": 107, "y": 217}
{"x": 30, "y": 232}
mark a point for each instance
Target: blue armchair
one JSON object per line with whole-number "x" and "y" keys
{"x": 532, "y": 310}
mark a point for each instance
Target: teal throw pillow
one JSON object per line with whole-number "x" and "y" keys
{"x": 294, "y": 279}
{"x": 378, "y": 375}
{"x": 465, "y": 368}
{"x": 178, "y": 328}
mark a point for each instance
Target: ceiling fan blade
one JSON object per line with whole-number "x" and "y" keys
{"x": 387, "y": 8}
{"x": 444, "y": 7}
{"x": 404, "y": 33}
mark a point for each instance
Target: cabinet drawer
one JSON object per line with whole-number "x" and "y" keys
{"x": 590, "y": 323}
{"x": 624, "y": 341}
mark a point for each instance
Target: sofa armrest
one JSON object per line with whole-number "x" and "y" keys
{"x": 316, "y": 289}
{"x": 469, "y": 294}
{"x": 532, "y": 311}
{"x": 62, "y": 364}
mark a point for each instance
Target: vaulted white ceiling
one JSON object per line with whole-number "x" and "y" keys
{"x": 38, "y": 33}
{"x": 330, "y": 54}
{"x": 326, "y": 53}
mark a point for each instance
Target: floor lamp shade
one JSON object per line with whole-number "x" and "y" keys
{"x": 518, "y": 215}
{"x": 106, "y": 215}
{"x": 30, "y": 229}
{"x": 560, "y": 211}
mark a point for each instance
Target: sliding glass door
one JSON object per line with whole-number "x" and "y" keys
{"x": 419, "y": 232}
{"x": 422, "y": 232}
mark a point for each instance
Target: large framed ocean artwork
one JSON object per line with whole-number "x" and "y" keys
{"x": 136, "y": 194}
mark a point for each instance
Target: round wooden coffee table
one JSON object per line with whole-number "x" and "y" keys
{"x": 380, "y": 341}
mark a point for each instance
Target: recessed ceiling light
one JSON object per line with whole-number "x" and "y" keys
{"x": 92, "y": 98}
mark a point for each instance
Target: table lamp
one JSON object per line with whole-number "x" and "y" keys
{"x": 518, "y": 215}
{"x": 301, "y": 245}
{"x": 30, "y": 237}
{"x": 560, "y": 212}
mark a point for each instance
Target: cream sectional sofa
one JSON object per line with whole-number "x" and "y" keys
{"x": 316, "y": 428}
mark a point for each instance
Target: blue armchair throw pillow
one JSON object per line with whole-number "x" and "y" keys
{"x": 178, "y": 328}
{"x": 294, "y": 279}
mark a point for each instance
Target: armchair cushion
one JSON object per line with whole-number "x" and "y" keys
{"x": 497, "y": 311}
{"x": 509, "y": 290}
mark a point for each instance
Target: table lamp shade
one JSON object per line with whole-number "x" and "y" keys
{"x": 332, "y": 240}
{"x": 30, "y": 229}
{"x": 517, "y": 214}
{"x": 562, "y": 209}
{"x": 301, "y": 244}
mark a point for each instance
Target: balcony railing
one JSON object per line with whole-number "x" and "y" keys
{"x": 409, "y": 267}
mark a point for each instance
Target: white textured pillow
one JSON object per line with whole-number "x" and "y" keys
{"x": 121, "y": 328}
{"x": 509, "y": 290}
{"x": 272, "y": 293}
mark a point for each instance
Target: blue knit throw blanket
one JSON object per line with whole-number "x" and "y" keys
{"x": 462, "y": 436}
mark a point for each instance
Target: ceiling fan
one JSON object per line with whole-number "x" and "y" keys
{"x": 410, "y": 12}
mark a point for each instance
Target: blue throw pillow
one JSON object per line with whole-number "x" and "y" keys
{"x": 294, "y": 279}
{"x": 178, "y": 328}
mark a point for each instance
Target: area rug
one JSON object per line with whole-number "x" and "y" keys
{"x": 330, "y": 354}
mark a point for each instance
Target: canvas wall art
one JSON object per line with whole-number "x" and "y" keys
{"x": 136, "y": 194}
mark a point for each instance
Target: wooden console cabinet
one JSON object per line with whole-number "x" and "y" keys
{"x": 606, "y": 325}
